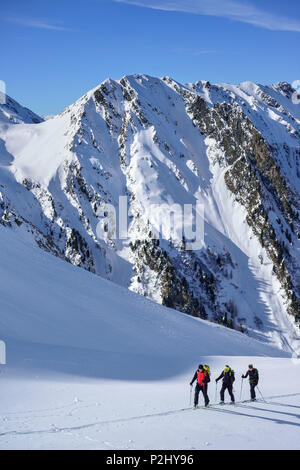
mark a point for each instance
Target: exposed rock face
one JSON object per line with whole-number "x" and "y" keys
{"x": 235, "y": 149}
{"x": 251, "y": 176}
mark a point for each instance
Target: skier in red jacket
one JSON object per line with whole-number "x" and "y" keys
{"x": 202, "y": 377}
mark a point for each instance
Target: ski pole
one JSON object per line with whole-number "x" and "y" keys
{"x": 216, "y": 394}
{"x": 191, "y": 388}
{"x": 241, "y": 388}
{"x": 261, "y": 394}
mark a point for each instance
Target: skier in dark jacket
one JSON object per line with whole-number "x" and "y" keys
{"x": 253, "y": 380}
{"x": 228, "y": 378}
{"x": 202, "y": 377}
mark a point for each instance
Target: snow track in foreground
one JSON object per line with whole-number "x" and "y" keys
{"x": 212, "y": 406}
{"x": 108, "y": 424}
{"x": 91, "y": 365}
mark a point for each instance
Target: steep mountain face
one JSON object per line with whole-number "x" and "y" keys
{"x": 234, "y": 149}
{"x": 13, "y": 113}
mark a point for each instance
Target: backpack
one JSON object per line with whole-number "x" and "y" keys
{"x": 207, "y": 371}
{"x": 254, "y": 379}
{"x": 230, "y": 374}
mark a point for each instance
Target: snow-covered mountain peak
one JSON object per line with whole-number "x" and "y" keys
{"x": 232, "y": 148}
{"x": 285, "y": 88}
{"x": 13, "y": 113}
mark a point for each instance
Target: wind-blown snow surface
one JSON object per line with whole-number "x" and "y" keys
{"x": 93, "y": 365}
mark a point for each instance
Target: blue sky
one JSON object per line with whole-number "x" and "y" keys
{"x": 56, "y": 51}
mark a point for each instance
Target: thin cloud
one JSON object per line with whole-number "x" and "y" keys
{"x": 38, "y": 23}
{"x": 230, "y": 9}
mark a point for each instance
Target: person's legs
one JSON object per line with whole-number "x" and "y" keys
{"x": 252, "y": 391}
{"x": 197, "y": 390}
{"x": 222, "y": 392}
{"x": 204, "y": 391}
{"x": 231, "y": 393}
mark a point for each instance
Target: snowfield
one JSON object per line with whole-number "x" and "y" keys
{"x": 156, "y": 141}
{"x": 94, "y": 361}
{"x": 91, "y": 365}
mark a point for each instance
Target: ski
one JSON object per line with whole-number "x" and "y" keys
{"x": 212, "y": 405}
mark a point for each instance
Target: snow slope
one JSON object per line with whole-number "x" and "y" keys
{"x": 93, "y": 365}
{"x": 145, "y": 138}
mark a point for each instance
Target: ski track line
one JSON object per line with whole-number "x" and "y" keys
{"x": 168, "y": 413}
{"x": 97, "y": 423}
{"x": 265, "y": 418}
{"x": 49, "y": 410}
{"x": 270, "y": 411}
{"x": 44, "y": 410}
